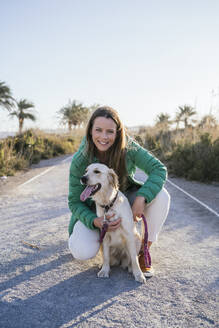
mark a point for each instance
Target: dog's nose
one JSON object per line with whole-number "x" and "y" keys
{"x": 84, "y": 179}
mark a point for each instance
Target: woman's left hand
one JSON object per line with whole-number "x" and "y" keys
{"x": 138, "y": 207}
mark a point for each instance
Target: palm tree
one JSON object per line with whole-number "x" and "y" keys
{"x": 22, "y": 112}
{"x": 79, "y": 113}
{"x": 177, "y": 120}
{"x": 163, "y": 121}
{"x": 184, "y": 114}
{"x": 6, "y": 99}
{"x": 73, "y": 114}
{"x": 66, "y": 116}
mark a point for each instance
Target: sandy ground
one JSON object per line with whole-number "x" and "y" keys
{"x": 43, "y": 286}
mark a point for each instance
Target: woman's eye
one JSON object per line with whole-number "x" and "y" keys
{"x": 96, "y": 171}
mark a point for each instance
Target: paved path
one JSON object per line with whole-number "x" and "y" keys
{"x": 43, "y": 286}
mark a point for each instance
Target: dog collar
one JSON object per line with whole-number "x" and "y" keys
{"x": 107, "y": 207}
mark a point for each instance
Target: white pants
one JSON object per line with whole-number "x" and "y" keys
{"x": 84, "y": 242}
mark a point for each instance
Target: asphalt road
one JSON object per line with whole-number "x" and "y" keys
{"x": 41, "y": 285}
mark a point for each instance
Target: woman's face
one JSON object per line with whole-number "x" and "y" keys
{"x": 103, "y": 133}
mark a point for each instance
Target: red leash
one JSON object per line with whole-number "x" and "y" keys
{"x": 103, "y": 232}
{"x": 147, "y": 256}
{"x": 105, "y": 223}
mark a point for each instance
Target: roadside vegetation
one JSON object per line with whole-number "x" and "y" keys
{"x": 29, "y": 147}
{"x": 189, "y": 147}
{"x": 19, "y": 152}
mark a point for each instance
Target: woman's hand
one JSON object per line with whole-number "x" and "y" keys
{"x": 112, "y": 226}
{"x": 138, "y": 207}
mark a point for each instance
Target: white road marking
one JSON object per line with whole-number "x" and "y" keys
{"x": 194, "y": 198}
{"x": 65, "y": 160}
{"x": 44, "y": 172}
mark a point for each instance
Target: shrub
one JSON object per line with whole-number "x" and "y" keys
{"x": 197, "y": 161}
{"x": 20, "y": 152}
{"x": 190, "y": 153}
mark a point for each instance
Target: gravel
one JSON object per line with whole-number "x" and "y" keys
{"x": 41, "y": 285}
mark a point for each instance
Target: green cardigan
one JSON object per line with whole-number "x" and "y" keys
{"x": 136, "y": 157}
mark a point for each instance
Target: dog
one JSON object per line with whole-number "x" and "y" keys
{"x": 122, "y": 245}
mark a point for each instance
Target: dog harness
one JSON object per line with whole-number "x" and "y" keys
{"x": 107, "y": 207}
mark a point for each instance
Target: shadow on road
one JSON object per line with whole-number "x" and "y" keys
{"x": 67, "y": 300}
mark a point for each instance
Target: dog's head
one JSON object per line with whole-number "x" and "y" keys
{"x": 98, "y": 178}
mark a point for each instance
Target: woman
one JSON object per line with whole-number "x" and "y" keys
{"x": 107, "y": 142}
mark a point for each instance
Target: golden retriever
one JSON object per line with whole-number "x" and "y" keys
{"x": 122, "y": 245}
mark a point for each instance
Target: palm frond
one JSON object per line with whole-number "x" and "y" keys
{"x": 6, "y": 99}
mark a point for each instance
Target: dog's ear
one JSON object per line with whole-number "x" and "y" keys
{"x": 113, "y": 179}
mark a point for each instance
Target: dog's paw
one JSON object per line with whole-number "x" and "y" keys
{"x": 139, "y": 277}
{"x": 103, "y": 274}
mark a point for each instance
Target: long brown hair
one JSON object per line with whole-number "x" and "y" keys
{"x": 116, "y": 153}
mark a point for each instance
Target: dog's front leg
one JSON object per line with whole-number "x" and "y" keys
{"x": 134, "y": 260}
{"x": 104, "y": 272}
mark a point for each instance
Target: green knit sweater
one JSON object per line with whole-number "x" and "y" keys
{"x": 136, "y": 157}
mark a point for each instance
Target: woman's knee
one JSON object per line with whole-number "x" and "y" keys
{"x": 82, "y": 252}
{"x": 163, "y": 198}
{"x": 156, "y": 213}
{"x": 83, "y": 242}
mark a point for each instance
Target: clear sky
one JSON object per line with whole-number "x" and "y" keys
{"x": 141, "y": 57}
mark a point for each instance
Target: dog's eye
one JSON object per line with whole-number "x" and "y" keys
{"x": 96, "y": 171}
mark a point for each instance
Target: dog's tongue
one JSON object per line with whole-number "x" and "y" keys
{"x": 86, "y": 193}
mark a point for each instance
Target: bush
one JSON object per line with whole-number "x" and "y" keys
{"x": 188, "y": 153}
{"x": 17, "y": 153}
{"x": 197, "y": 161}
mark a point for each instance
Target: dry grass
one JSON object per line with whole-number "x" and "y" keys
{"x": 21, "y": 151}
{"x": 192, "y": 153}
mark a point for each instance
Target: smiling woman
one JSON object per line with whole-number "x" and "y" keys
{"x": 103, "y": 134}
{"x": 107, "y": 142}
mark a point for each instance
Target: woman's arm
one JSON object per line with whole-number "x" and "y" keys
{"x": 155, "y": 170}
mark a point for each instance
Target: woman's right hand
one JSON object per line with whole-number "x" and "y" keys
{"x": 112, "y": 226}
